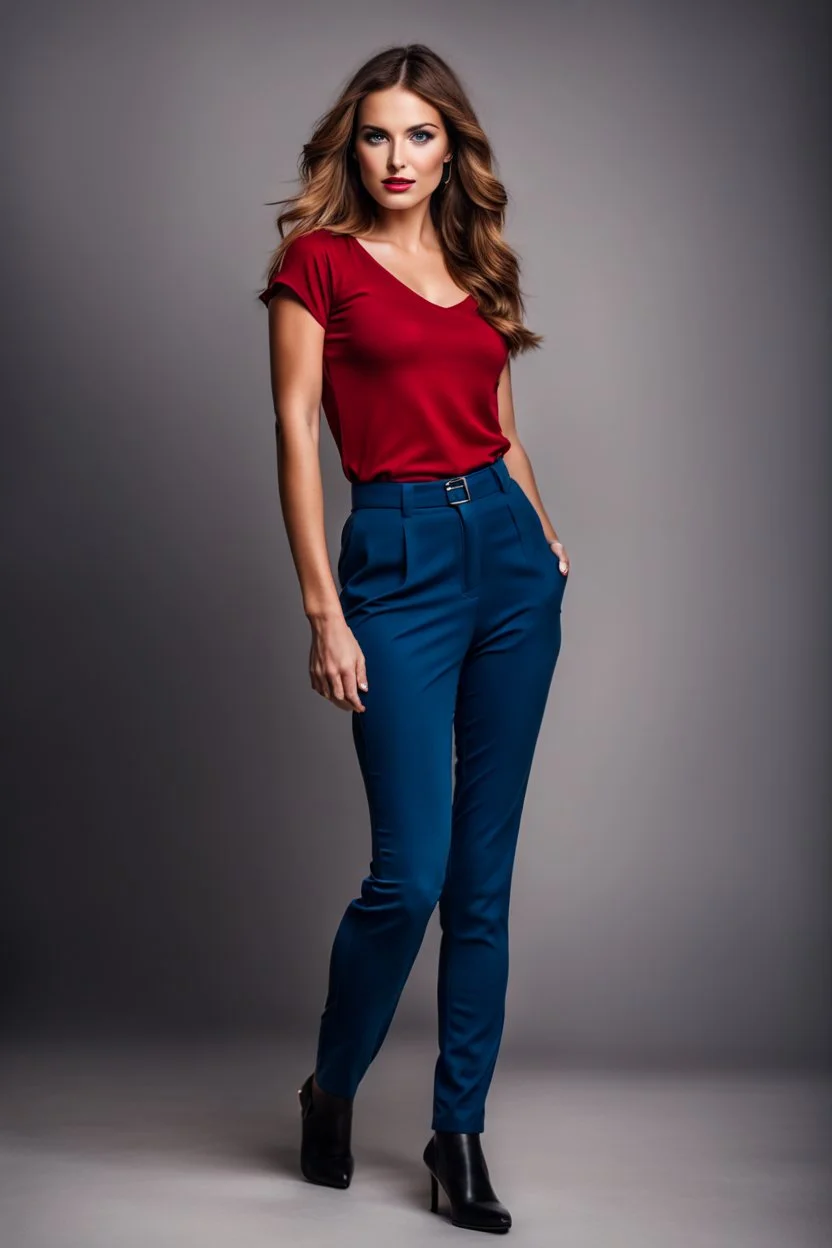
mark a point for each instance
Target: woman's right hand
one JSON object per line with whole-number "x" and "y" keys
{"x": 336, "y": 663}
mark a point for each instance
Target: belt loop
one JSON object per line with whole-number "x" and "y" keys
{"x": 502, "y": 474}
{"x": 407, "y": 498}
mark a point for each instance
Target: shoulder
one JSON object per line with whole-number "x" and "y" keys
{"x": 320, "y": 242}
{"x": 321, "y": 250}
{"x": 311, "y": 266}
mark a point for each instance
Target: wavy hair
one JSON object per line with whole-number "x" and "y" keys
{"x": 468, "y": 214}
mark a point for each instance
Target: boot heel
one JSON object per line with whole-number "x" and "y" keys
{"x": 456, "y": 1163}
{"x": 325, "y": 1153}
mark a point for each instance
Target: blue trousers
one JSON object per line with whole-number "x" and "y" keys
{"x": 454, "y": 596}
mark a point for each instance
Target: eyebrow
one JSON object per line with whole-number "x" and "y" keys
{"x": 369, "y": 126}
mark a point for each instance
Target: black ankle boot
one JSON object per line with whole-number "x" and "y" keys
{"x": 454, "y": 1159}
{"x": 325, "y": 1155}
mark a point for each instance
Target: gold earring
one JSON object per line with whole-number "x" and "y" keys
{"x": 447, "y": 177}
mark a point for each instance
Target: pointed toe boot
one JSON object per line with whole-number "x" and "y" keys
{"x": 325, "y": 1155}
{"x": 456, "y": 1163}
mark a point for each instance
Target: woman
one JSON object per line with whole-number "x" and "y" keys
{"x": 394, "y": 303}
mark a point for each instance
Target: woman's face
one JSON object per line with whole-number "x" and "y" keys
{"x": 400, "y": 135}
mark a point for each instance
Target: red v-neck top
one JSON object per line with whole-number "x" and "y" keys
{"x": 409, "y": 387}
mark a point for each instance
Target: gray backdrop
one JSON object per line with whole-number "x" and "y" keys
{"x": 186, "y": 817}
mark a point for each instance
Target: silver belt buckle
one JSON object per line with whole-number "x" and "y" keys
{"x": 453, "y": 483}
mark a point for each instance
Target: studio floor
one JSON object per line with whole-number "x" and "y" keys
{"x": 145, "y": 1144}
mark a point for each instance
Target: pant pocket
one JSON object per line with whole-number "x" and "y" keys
{"x": 534, "y": 543}
{"x": 373, "y": 563}
{"x": 527, "y": 523}
{"x": 343, "y": 547}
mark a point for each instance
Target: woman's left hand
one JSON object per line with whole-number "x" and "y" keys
{"x": 558, "y": 548}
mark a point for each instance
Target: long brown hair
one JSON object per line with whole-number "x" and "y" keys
{"x": 468, "y": 214}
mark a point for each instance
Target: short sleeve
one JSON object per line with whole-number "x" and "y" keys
{"x": 306, "y": 269}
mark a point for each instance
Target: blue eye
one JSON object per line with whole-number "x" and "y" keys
{"x": 377, "y": 134}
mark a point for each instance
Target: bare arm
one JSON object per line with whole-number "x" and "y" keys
{"x": 519, "y": 465}
{"x": 296, "y": 363}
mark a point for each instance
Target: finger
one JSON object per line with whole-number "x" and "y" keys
{"x": 351, "y": 690}
{"x": 361, "y": 673}
{"x": 336, "y": 686}
{"x": 563, "y": 561}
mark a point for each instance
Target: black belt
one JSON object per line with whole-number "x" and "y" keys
{"x": 451, "y": 491}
